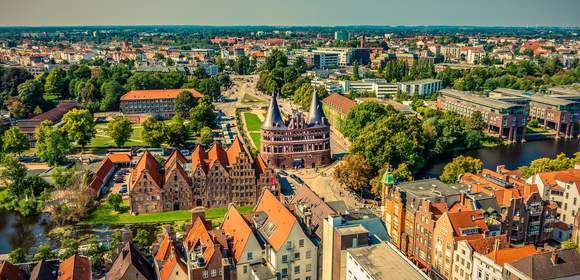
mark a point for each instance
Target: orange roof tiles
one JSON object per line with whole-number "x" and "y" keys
{"x": 486, "y": 245}
{"x": 509, "y": 255}
{"x": 100, "y": 175}
{"x": 199, "y": 235}
{"x": 467, "y": 219}
{"x": 176, "y": 155}
{"x": 216, "y": 153}
{"x": 341, "y": 103}
{"x": 158, "y": 94}
{"x": 75, "y": 268}
{"x": 164, "y": 248}
{"x": 149, "y": 163}
{"x": 119, "y": 158}
{"x": 234, "y": 150}
{"x": 235, "y": 226}
{"x": 173, "y": 262}
{"x": 277, "y": 215}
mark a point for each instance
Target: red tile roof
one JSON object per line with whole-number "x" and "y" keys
{"x": 465, "y": 220}
{"x": 100, "y": 175}
{"x": 339, "y": 103}
{"x": 75, "y": 268}
{"x": 509, "y": 255}
{"x": 279, "y": 216}
{"x": 173, "y": 262}
{"x": 236, "y": 226}
{"x": 216, "y": 153}
{"x": 158, "y": 94}
{"x": 119, "y": 158}
{"x": 54, "y": 115}
{"x": 147, "y": 163}
{"x": 199, "y": 235}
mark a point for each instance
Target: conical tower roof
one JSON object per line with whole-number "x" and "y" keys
{"x": 316, "y": 115}
{"x": 273, "y": 118}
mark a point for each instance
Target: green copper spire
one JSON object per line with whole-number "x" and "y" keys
{"x": 388, "y": 178}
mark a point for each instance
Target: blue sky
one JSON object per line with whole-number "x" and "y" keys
{"x": 294, "y": 12}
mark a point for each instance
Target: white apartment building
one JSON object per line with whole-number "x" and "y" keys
{"x": 288, "y": 250}
{"x": 485, "y": 268}
{"x": 463, "y": 261}
{"x": 421, "y": 87}
{"x": 562, "y": 187}
{"x": 381, "y": 88}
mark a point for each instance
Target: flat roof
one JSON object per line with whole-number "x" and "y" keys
{"x": 423, "y": 81}
{"x": 550, "y": 100}
{"x": 352, "y": 229}
{"x": 381, "y": 261}
{"x": 478, "y": 99}
{"x": 431, "y": 187}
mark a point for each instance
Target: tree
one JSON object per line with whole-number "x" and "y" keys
{"x": 17, "y": 255}
{"x": 184, "y": 102}
{"x": 14, "y": 141}
{"x": 143, "y": 239}
{"x": 403, "y": 173}
{"x": 56, "y": 83}
{"x": 80, "y": 126}
{"x": 209, "y": 87}
{"x": 30, "y": 92}
{"x": 11, "y": 78}
{"x": 459, "y": 166}
{"x": 177, "y": 132}
{"x": 111, "y": 91}
{"x": 476, "y": 122}
{"x": 361, "y": 115}
{"x": 303, "y": 95}
{"x": 62, "y": 176}
{"x": 202, "y": 115}
{"x": 394, "y": 138}
{"x": 206, "y": 136}
{"x": 95, "y": 252}
{"x": 116, "y": 239}
{"x": 154, "y": 132}
{"x": 69, "y": 247}
{"x": 44, "y": 253}
{"x": 52, "y": 143}
{"x": 114, "y": 200}
{"x": 141, "y": 81}
{"x": 120, "y": 129}
{"x": 561, "y": 162}
{"x": 355, "y": 70}
{"x": 354, "y": 172}
{"x": 13, "y": 174}
{"x": 16, "y": 107}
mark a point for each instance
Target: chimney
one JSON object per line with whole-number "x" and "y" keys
{"x": 554, "y": 257}
{"x": 462, "y": 198}
{"x": 198, "y": 212}
{"x": 497, "y": 244}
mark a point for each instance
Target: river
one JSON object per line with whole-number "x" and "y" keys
{"x": 29, "y": 232}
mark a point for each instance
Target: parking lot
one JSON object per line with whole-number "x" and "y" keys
{"x": 120, "y": 181}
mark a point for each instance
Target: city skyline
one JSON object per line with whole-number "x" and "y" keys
{"x": 295, "y": 13}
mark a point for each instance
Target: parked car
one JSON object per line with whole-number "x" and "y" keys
{"x": 283, "y": 172}
{"x": 123, "y": 189}
{"x": 296, "y": 178}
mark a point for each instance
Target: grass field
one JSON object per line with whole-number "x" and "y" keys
{"x": 251, "y": 99}
{"x": 535, "y": 129}
{"x": 103, "y": 140}
{"x": 105, "y": 215}
{"x": 253, "y": 124}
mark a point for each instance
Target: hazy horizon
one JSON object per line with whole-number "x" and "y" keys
{"x": 326, "y": 13}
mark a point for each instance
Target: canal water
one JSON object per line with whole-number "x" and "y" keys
{"x": 28, "y": 232}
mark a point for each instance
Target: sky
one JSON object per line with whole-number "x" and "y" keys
{"x": 290, "y": 12}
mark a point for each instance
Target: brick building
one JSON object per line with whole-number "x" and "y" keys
{"x": 525, "y": 216}
{"x": 299, "y": 142}
{"x": 504, "y": 120}
{"x": 29, "y": 126}
{"x": 214, "y": 178}
{"x": 140, "y": 104}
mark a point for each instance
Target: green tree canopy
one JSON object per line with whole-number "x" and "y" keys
{"x": 177, "y": 132}
{"x": 80, "y": 126}
{"x": 120, "y": 129}
{"x": 354, "y": 172}
{"x": 184, "y": 102}
{"x": 17, "y": 255}
{"x": 363, "y": 114}
{"x": 459, "y": 166}
{"x": 52, "y": 143}
{"x": 206, "y": 136}
{"x": 154, "y": 132}
{"x": 14, "y": 141}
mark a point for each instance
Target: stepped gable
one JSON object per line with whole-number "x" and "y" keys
{"x": 198, "y": 157}
{"x": 316, "y": 116}
{"x": 147, "y": 163}
{"x": 261, "y": 165}
{"x": 234, "y": 150}
{"x": 273, "y": 118}
{"x": 176, "y": 156}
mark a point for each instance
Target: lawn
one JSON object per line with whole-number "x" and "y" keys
{"x": 536, "y": 129}
{"x": 101, "y": 139}
{"x": 256, "y": 138}
{"x": 251, "y": 99}
{"x": 252, "y": 122}
{"x": 105, "y": 215}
